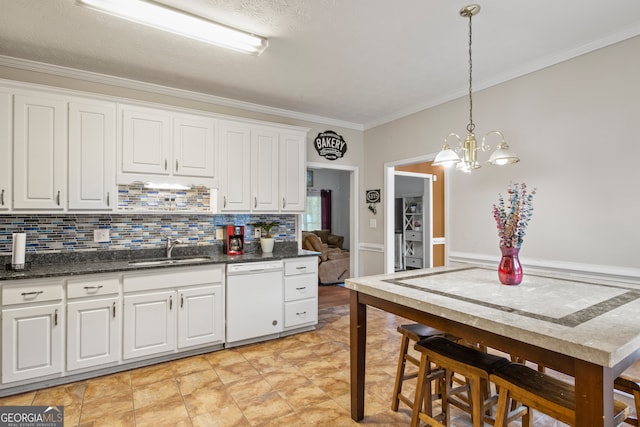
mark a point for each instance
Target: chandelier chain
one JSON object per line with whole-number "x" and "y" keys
{"x": 471, "y": 126}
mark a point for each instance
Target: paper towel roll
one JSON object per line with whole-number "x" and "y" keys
{"x": 19, "y": 241}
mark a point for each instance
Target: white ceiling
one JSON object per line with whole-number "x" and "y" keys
{"x": 362, "y": 62}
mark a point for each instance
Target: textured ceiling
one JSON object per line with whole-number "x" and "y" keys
{"x": 358, "y": 61}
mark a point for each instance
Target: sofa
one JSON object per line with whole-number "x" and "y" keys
{"x": 330, "y": 239}
{"x": 333, "y": 262}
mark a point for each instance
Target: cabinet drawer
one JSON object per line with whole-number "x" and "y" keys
{"x": 413, "y": 262}
{"x": 32, "y": 291}
{"x": 414, "y": 236}
{"x": 301, "y": 266}
{"x": 300, "y": 287}
{"x": 300, "y": 312}
{"x": 92, "y": 286}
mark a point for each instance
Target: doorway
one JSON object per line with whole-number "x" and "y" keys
{"x": 420, "y": 165}
{"x": 351, "y": 200}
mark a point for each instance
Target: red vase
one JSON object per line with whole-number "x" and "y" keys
{"x": 510, "y": 270}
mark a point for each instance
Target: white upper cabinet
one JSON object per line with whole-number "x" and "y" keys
{"x": 176, "y": 147}
{"x": 40, "y": 167}
{"x": 92, "y": 155}
{"x": 264, "y": 170}
{"x": 193, "y": 146}
{"x": 235, "y": 166}
{"x": 274, "y": 180}
{"x": 146, "y": 143}
{"x": 293, "y": 172}
{"x": 6, "y": 133}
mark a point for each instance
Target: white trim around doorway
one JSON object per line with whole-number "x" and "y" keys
{"x": 354, "y": 222}
{"x": 389, "y": 195}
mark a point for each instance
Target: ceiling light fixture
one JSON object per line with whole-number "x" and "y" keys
{"x": 179, "y": 22}
{"x": 469, "y": 148}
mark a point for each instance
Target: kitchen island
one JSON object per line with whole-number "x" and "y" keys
{"x": 585, "y": 328}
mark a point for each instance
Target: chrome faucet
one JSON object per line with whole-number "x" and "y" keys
{"x": 170, "y": 245}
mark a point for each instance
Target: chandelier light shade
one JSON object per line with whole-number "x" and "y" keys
{"x": 179, "y": 22}
{"x": 465, "y": 155}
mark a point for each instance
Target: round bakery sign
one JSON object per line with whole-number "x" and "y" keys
{"x": 330, "y": 145}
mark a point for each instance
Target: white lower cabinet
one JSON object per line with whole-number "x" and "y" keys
{"x": 94, "y": 321}
{"x": 93, "y": 332}
{"x": 300, "y": 292}
{"x": 161, "y": 317}
{"x": 199, "y": 316}
{"x": 150, "y": 324}
{"x": 32, "y": 330}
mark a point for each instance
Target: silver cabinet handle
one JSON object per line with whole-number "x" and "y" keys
{"x": 301, "y": 268}
{"x": 224, "y": 201}
{"x": 255, "y": 202}
{"x": 171, "y": 303}
{"x": 181, "y": 300}
{"x": 55, "y": 318}
{"x": 114, "y": 309}
{"x": 91, "y": 288}
{"x": 58, "y": 198}
{"x": 108, "y": 194}
{"x": 176, "y": 166}
{"x": 284, "y": 203}
{"x": 302, "y": 313}
{"x": 165, "y": 164}
{"x": 301, "y": 288}
{"x": 2, "y": 197}
{"x": 28, "y": 294}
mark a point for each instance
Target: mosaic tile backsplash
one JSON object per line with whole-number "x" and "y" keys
{"x": 59, "y": 233}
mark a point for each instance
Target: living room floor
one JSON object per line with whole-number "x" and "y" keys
{"x": 297, "y": 380}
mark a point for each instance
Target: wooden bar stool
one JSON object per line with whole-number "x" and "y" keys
{"x": 628, "y": 384}
{"x": 454, "y": 358}
{"x": 538, "y": 391}
{"x": 413, "y": 332}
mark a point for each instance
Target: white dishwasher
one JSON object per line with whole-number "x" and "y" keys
{"x": 254, "y": 300}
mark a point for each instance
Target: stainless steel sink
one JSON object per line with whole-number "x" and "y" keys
{"x": 169, "y": 261}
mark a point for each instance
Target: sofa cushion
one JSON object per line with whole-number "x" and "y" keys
{"x": 323, "y": 234}
{"x": 314, "y": 242}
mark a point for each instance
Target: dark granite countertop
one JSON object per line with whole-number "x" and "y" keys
{"x": 92, "y": 262}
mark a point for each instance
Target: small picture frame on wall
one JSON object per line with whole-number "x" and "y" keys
{"x": 309, "y": 178}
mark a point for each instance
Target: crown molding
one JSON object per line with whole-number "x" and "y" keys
{"x": 89, "y": 76}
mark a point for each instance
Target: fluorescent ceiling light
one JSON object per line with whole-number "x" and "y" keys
{"x": 180, "y": 22}
{"x": 166, "y": 186}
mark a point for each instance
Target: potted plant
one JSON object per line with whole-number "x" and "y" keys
{"x": 266, "y": 242}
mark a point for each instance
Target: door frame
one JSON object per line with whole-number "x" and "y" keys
{"x": 389, "y": 197}
{"x": 354, "y": 222}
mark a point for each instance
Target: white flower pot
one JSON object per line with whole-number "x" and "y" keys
{"x": 267, "y": 244}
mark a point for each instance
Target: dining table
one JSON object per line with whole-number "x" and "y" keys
{"x": 585, "y": 327}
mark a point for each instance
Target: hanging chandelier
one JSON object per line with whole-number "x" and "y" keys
{"x": 469, "y": 147}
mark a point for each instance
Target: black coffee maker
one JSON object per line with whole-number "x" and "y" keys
{"x": 234, "y": 239}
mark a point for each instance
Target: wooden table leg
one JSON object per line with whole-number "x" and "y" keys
{"x": 594, "y": 395}
{"x": 358, "y": 346}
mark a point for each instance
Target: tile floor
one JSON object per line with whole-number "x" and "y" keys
{"x": 301, "y": 380}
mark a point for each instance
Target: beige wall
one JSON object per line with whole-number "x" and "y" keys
{"x": 574, "y": 125}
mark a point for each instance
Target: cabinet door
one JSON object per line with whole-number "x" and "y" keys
{"x": 6, "y": 134}
{"x": 145, "y": 140}
{"x": 93, "y": 332}
{"x": 193, "y": 147}
{"x": 40, "y": 146}
{"x": 264, "y": 170}
{"x": 200, "y": 316}
{"x": 235, "y": 164}
{"x": 149, "y": 324}
{"x": 31, "y": 342}
{"x": 91, "y": 155}
{"x": 293, "y": 171}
